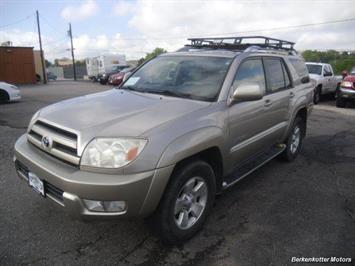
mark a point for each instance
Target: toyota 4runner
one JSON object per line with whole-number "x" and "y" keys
{"x": 180, "y": 129}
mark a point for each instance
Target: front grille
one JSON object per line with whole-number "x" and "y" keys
{"x": 53, "y": 191}
{"x": 49, "y": 189}
{"x": 21, "y": 168}
{"x": 63, "y": 143}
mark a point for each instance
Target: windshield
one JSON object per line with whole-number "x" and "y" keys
{"x": 314, "y": 69}
{"x": 194, "y": 77}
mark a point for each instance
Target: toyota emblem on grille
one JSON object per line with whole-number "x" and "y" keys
{"x": 47, "y": 142}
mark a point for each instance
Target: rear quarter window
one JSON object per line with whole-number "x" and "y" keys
{"x": 300, "y": 67}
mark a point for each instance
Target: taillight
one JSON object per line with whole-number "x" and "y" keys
{"x": 346, "y": 84}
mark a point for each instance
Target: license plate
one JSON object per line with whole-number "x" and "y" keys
{"x": 36, "y": 183}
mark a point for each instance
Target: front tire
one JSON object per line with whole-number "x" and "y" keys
{"x": 186, "y": 203}
{"x": 4, "y": 96}
{"x": 294, "y": 140}
{"x": 317, "y": 95}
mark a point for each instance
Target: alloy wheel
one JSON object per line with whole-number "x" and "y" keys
{"x": 190, "y": 203}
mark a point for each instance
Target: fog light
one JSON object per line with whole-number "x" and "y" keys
{"x": 105, "y": 206}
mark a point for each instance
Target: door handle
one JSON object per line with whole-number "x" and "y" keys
{"x": 268, "y": 102}
{"x": 292, "y": 95}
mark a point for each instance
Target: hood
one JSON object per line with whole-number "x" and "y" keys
{"x": 350, "y": 78}
{"x": 5, "y": 84}
{"x": 119, "y": 74}
{"x": 117, "y": 113}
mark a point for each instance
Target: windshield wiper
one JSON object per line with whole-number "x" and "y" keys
{"x": 178, "y": 94}
{"x": 130, "y": 88}
{"x": 171, "y": 93}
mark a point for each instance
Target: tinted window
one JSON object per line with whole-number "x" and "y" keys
{"x": 327, "y": 70}
{"x": 250, "y": 72}
{"x": 274, "y": 75}
{"x": 286, "y": 76}
{"x": 314, "y": 69}
{"x": 299, "y": 66}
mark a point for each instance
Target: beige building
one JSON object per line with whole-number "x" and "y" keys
{"x": 38, "y": 64}
{"x": 64, "y": 62}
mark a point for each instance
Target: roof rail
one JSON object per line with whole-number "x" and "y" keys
{"x": 242, "y": 43}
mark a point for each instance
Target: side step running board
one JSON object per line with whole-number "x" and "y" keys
{"x": 252, "y": 164}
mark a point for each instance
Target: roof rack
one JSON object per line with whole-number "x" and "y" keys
{"x": 241, "y": 43}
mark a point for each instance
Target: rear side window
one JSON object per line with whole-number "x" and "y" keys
{"x": 287, "y": 77}
{"x": 251, "y": 72}
{"x": 327, "y": 70}
{"x": 274, "y": 74}
{"x": 300, "y": 67}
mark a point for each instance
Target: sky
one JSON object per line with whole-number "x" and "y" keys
{"x": 136, "y": 27}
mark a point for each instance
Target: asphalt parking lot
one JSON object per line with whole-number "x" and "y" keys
{"x": 283, "y": 210}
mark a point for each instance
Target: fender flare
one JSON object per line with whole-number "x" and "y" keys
{"x": 190, "y": 144}
{"x": 294, "y": 115}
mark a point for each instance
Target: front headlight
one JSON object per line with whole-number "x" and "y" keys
{"x": 112, "y": 152}
{"x": 346, "y": 84}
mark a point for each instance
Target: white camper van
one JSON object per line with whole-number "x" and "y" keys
{"x": 92, "y": 67}
{"x": 103, "y": 64}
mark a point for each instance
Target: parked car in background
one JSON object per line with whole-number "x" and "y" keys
{"x": 325, "y": 80}
{"x": 9, "y": 92}
{"x": 181, "y": 129}
{"x": 51, "y": 76}
{"x": 103, "y": 78}
{"x": 116, "y": 79}
{"x": 99, "y": 65}
{"x": 346, "y": 92}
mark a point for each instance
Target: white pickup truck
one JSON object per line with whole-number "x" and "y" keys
{"x": 325, "y": 80}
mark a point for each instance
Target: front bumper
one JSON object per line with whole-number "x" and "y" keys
{"x": 68, "y": 185}
{"x": 347, "y": 93}
{"x": 15, "y": 96}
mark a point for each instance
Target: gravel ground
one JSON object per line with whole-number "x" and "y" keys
{"x": 283, "y": 210}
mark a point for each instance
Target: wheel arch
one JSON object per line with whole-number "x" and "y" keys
{"x": 213, "y": 157}
{"x": 302, "y": 112}
{"x": 203, "y": 144}
{"x": 4, "y": 95}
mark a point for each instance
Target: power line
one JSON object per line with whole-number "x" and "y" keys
{"x": 236, "y": 32}
{"x": 292, "y": 27}
{"x": 61, "y": 40}
{"x": 17, "y": 21}
{"x": 51, "y": 25}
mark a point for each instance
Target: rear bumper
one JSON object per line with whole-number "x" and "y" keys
{"x": 347, "y": 93}
{"x": 68, "y": 185}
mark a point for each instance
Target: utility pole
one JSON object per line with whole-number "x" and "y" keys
{"x": 41, "y": 50}
{"x": 72, "y": 49}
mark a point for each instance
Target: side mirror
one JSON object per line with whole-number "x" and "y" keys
{"x": 248, "y": 92}
{"x": 305, "y": 80}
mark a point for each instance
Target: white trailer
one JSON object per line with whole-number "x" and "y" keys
{"x": 103, "y": 64}
{"x": 106, "y": 62}
{"x": 92, "y": 67}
